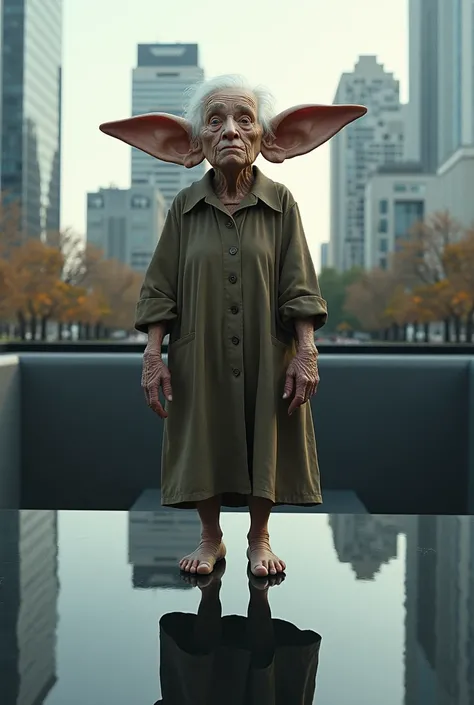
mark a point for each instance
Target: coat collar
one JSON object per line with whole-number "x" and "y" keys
{"x": 263, "y": 189}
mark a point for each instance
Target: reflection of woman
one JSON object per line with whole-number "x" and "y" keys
{"x": 255, "y": 660}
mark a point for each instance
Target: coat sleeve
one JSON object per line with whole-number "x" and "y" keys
{"x": 299, "y": 295}
{"x": 158, "y": 295}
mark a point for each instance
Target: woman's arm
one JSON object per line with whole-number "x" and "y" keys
{"x": 157, "y": 306}
{"x": 299, "y": 295}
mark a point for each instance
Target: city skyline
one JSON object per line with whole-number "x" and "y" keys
{"x": 97, "y": 88}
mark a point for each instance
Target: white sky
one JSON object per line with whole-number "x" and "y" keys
{"x": 298, "y": 49}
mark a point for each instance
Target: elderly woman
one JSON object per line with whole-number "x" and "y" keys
{"x": 233, "y": 283}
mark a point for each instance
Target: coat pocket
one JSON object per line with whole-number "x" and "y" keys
{"x": 279, "y": 344}
{"x": 182, "y": 341}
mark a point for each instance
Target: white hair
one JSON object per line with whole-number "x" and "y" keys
{"x": 196, "y": 95}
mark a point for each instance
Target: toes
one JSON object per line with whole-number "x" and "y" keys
{"x": 271, "y": 568}
{"x": 204, "y": 568}
{"x": 194, "y": 566}
{"x": 260, "y": 570}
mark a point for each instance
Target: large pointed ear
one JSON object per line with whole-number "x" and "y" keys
{"x": 299, "y": 130}
{"x": 166, "y": 137}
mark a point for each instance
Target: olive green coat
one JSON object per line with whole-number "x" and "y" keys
{"x": 230, "y": 289}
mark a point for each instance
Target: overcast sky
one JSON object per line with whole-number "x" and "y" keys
{"x": 297, "y": 49}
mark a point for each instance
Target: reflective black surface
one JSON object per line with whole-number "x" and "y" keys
{"x": 374, "y": 609}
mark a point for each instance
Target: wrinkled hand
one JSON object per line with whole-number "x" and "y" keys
{"x": 155, "y": 374}
{"x": 302, "y": 377}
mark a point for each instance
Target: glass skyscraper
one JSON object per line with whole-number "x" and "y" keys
{"x": 31, "y": 111}
{"x": 162, "y": 74}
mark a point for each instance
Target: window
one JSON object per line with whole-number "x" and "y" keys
{"x": 400, "y": 188}
{"x": 383, "y": 225}
{"x": 383, "y": 245}
{"x": 406, "y": 214}
{"x": 383, "y": 263}
{"x": 140, "y": 202}
{"x": 383, "y": 206}
{"x": 95, "y": 200}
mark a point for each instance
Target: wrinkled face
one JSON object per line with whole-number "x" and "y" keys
{"x": 231, "y": 135}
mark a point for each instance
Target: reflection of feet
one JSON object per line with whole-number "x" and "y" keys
{"x": 205, "y": 581}
{"x": 265, "y": 583}
{"x": 204, "y": 558}
{"x": 262, "y": 560}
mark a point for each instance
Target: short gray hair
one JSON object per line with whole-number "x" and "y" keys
{"x": 196, "y": 95}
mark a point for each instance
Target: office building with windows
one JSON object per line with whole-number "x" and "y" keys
{"x": 30, "y": 153}
{"x": 162, "y": 74}
{"x": 357, "y": 152}
{"x": 398, "y": 197}
{"x": 126, "y": 224}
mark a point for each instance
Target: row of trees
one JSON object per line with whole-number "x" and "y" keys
{"x": 430, "y": 279}
{"x": 61, "y": 280}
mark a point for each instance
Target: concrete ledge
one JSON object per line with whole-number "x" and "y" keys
{"x": 395, "y": 430}
{"x": 9, "y": 432}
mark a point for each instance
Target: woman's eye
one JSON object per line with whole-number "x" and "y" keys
{"x": 214, "y": 121}
{"x": 245, "y": 120}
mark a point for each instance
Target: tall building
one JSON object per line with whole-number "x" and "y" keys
{"x": 156, "y": 543}
{"x": 31, "y": 110}
{"x": 357, "y": 151}
{"x": 456, "y": 76}
{"x": 422, "y": 126}
{"x": 162, "y": 74}
{"x": 441, "y": 73}
{"x": 324, "y": 255}
{"x": 29, "y": 592}
{"x": 126, "y": 223}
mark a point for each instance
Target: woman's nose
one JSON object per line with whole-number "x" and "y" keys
{"x": 230, "y": 128}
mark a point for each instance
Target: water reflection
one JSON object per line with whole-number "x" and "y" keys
{"x": 439, "y": 595}
{"x": 156, "y": 542}
{"x": 253, "y": 660}
{"x": 365, "y": 541}
{"x": 29, "y": 591}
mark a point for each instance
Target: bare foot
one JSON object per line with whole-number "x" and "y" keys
{"x": 204, "y": 558}
{"x": 262, "y": 560}
{"x": 205, "y": 581}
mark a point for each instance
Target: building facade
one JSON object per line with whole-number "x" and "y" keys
{"x": 422, "y": 125}
{"x": 358, "y": 151}
{"x": 324, "y": 255}
{"x": 159, "y": 81}
{"x": 126, "y": 223}
{"x": 31, "y": 57}
{"x": 441, "y": 75}
{"x": 396, "y": 199}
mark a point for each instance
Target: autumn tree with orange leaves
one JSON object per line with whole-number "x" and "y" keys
{"x": 61, "y": 280}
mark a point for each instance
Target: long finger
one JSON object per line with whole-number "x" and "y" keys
{"x": 298, "y": 399}
{"x": 166, "y": 386}
{"x": 158, "y": 409}
{"x": 288, "y": 388}
{"x": 154, "y": 403}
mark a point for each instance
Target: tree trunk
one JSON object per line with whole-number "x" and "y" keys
{"x": 457, "y": 328}
{"x": 426, "y": 327}
{"x": 87, "y": 331}
{"x": 470, "y": 326}
{"x": 21, "y": 326}
{"x": 44, "y": 327}
{"x": 33, "y": 327}
{"x": 97, "y": 330}
{"x": 447, "y": 330}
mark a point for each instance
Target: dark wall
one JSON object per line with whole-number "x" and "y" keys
{"x": 9, "y": 432}
{"x": 396, "y": 430}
